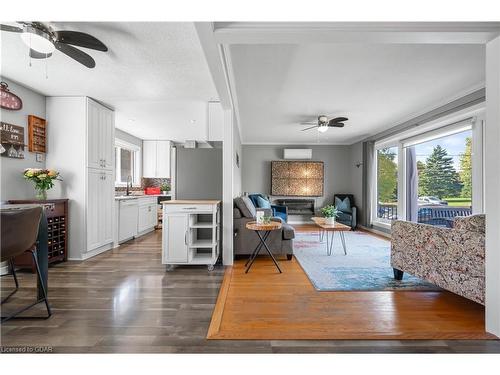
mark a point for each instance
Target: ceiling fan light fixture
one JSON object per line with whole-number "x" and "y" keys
{"x": 322, "y": 128}
{"x": 322, "y": 119}
{"x": 37, "y": 40}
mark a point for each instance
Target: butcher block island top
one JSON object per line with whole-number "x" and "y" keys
{"x": 198, "y": 201}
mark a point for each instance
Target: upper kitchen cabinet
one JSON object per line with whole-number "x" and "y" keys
{"x": 156, "y": 159}
{"x": 215, "y": 122}
{"x": 99, "y": 136}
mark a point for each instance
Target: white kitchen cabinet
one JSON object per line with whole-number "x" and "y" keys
{"x": 148, "y": 215}
{"x": 175, "y": 234}
{"x": 100, "y": 136}
{"x": 99, "y": 208}
{"x": 156, "y": 159}
{"x": 191, "y": 233}
{"x": 215, "y": 122}
{"x": 81, "y": 146}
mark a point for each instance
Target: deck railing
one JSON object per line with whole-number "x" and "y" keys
{"x": 433, "y": 215}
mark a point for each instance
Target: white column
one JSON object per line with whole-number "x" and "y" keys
{"x": 492, "y": 182}
{"x": 227, "y": 190}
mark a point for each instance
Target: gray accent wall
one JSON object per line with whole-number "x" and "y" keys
{"x": 341, "y": 174}
{"x": 13, "y": 185}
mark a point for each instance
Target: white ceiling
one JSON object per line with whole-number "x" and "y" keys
{"x": 375, "y": 85}
{"x": 154, "y": 75}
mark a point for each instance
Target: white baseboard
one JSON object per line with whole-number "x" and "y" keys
{"x": 380, "y": 233}
{"x": 94, "y": 252}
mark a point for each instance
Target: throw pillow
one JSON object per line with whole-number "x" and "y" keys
{"x": 263, "y": 203}
{"x": 343, "y": 205}
{"x": 246, "y": 206}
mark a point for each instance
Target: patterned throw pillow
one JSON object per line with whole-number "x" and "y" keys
{"x": 343, "y": 205}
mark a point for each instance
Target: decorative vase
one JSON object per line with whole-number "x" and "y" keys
{"x": 41, "y": 194}
{"x": 330, "y": 220}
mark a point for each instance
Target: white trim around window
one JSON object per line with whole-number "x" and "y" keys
{"x": 455, "y": 123}
{"x": 121, "y": 144}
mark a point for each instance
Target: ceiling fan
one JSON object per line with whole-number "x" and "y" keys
{"x": 42, "y": 40}
{"x": 323, "y": 123}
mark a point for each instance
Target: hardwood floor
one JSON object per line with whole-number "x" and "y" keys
{"x": 264, "y": 304}
{"x": 124, "y": 301}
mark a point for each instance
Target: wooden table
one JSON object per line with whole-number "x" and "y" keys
{"x": 259, "y": 229}
{"x": 325, "y": 228}
{"x": 42, "y": 244}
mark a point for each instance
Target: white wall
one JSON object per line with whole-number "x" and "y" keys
{"x": 236, "y": 151}
{"x": 492, "y": 182}
{"x": 13, "y": 185}
{"x": 124, "y": 136}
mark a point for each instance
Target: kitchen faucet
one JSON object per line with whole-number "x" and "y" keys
{"x": 129, "y": 184}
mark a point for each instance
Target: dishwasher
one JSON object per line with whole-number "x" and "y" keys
{"x": 129, "y": 211}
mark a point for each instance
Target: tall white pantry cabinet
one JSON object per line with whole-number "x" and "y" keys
{"x": 81, "y": 136}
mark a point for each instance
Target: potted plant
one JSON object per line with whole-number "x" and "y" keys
{"x": 330, "y": 213}
{"x": 42, "y": 179}
{"x": 165, "y": 188}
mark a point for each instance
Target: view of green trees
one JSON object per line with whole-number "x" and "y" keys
{"x": 387, "y": 186}
{"x": 437, "y": 175}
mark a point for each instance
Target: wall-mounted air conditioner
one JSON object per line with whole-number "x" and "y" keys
{"x": 297, "y": 153}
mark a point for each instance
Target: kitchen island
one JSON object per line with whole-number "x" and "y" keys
{"x": 191, "y": 233}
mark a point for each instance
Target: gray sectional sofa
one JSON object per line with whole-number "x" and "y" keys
{"x": 280, "y": 242}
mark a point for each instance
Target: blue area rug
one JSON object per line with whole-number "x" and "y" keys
{"x": 366, "y": 266}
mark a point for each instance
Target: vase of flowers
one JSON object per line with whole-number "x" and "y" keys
{"x": 330, "y": 213}
{"x": 42, "y": 179}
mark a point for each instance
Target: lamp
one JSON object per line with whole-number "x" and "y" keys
{"x": 323, "y": 128}
{"x": 37, "y": 40}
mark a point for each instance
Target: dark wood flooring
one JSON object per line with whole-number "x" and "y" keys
{"x": 123, "y": 301}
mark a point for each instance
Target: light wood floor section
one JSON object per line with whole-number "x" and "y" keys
{"x": 265, "y": 305}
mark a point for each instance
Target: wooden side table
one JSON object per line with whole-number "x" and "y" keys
{"x": 263, "y": 231}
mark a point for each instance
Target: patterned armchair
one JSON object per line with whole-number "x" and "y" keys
{"x": 451, "y": 258}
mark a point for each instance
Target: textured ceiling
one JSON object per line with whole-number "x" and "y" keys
{"x": 154, "y": 75}
{"x": 374, "y": 85}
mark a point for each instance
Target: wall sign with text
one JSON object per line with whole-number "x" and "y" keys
{"x": 9, "y": 100}
{"x": 12, "y": 140}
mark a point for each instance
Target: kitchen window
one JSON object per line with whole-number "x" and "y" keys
{"x": 127, "y": 163}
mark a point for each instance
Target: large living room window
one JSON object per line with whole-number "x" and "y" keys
{"x": 431, "y": 173}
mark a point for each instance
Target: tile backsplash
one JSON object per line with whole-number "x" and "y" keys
{"x": 145, "y": 182}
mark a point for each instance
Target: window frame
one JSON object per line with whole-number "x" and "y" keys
{"x": 136, "y": 152}
{"x": 437, "y": 129}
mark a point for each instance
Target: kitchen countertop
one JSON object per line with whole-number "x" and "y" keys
{"x": 200, "y": 201}
{"x": 138, "y": 196}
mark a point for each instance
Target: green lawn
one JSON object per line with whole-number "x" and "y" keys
{"x": 458, "y": 202}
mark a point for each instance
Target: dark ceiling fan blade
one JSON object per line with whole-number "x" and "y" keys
{"x": 338, "y": 119}
{"x": 337, "y": 125}
{"x": 76, "y": 54}
{"x": 12, "y": 29}
{"x": 312, "y": 127}
{"x": 38, "y": 55}
{"x": 79, "y": 39}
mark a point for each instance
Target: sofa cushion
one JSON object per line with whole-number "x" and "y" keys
{"x": 236, "y": 213}
{"x": 246, "y": 206}
{"x": 288, "y": 232}
{"x": 343, "y": 205}
{"x": 262, "y": 203}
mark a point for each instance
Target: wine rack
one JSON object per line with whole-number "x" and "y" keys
{"x": 56, "y": 212}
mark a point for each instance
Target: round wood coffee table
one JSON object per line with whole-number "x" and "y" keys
{"x": 263, "y": 231}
